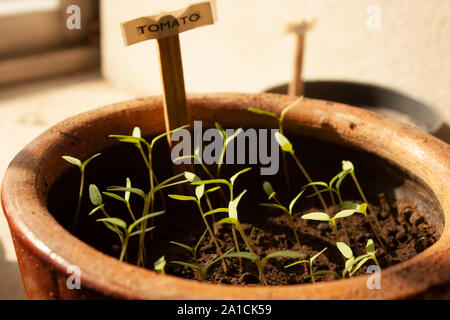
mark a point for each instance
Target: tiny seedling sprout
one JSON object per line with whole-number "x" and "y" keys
{"x": 327, "y": 187}
{"x": 322, "y": 216}
{"x": 82, "y": 167}
{"x": 369, "y": 255}
{"x": 124, "y": 231}
{"x": 232, "y": 205}
{"x": 193, "y": 250}
{"x": 148, "y": 199}
{"x": 347, "y": 252}
{"x": 125, "y": 199}
{"x": 280, "y": 120}
{"x": 160, "y": 264}
{"x": 352, "y": 263}
{"x": 310, "y": 263}
{"x": 268, "y": 189}
{"x": 286, "y": 146}
{"x": 199, "y": 193}
{"x": 349, "y": 169}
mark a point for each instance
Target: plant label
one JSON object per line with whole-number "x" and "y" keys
{"x": 166, "y": 24}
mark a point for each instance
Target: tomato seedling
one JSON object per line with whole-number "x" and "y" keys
{"x": 322, "y": 216}
{"x": 268, "y": 189}
{"x": 309, "y": 262}
{"x": 82, "y": 167}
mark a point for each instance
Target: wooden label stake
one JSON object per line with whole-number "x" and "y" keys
{"x": 296, "y": 86}
{"x": 165, "y": 27}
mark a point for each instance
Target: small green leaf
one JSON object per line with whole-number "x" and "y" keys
{"x": 191, "y": 177}
{"x": 316, "y": 183}
{"x": 227, "y": 220}
{"x": 114, "y": 196}
{"x": 127, "y": 139}
{"x": 142, "y": 231}
{"x": 181, "y": 245}
{"x": 284, "y": 254}
{"x": 341, "y": 178}
{"x": 137, "y": 191}
{"x": 284, "y": 143}
{"x": 347, "y": 165}
{"x": 268, "y": 189}
{"x": 345, "y": 250}
{"x": 160, "y": 264}
{"x": 85, "y": 163}
{"x": 168, "y": 185}
{"x": 200, "y": 241}
{"x": 234, "y": 177}
{"x": 212, "y": 189}
{"x": 263, "y": 112}
{"x": 363, "y": 209}
{"x": 199, "y": 191}
{"x": 370, "y": 247}
{"x": 187, "y": 264}
{"x": 211, "y": 181}
{"x": 137, "y": 132}
{"x": 349, "y": 263}
{"x": 350, "y": 205}
{"x": 232, "y": 206}
{"x": 182, "y": 198}
{"x": 359, "y": 265}
{"x": 318, "y": 216}
{"x": 297, "y": 262}
{"x": 292, "y": 204}
{"x": 114, "y": 221}
{"x": 72, "y": 160}
{"x": 242, "y": 254}
{"x": 316, "y": 255}
{"x": 162, "y": 135}
{"x": 333, "y": 180}
{"x": 276, "y": 206}
{"x": 127, "y": 193}
{"x": 344, "y": 213}
{"x": 96, "y": 209}
{"x": 359, "y": 258}
{"x": 95, "y": 195}
{"x": 218, "y": 210}
{"x": 146, "y": 217}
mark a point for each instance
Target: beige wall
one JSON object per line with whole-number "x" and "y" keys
{"x": 247, "y": 49}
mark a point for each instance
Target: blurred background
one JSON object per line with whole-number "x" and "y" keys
{"x": 392, "y": 56}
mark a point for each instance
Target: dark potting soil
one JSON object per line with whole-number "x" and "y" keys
{"x": 410, "y": 216}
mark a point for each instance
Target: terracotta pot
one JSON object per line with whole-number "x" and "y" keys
{"x": 45, "y": 249}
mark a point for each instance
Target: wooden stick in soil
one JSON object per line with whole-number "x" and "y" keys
{"x": 296, "y": 86}
{"x": 174, "y": 94}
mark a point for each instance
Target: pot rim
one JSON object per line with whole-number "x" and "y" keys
{"x": 35, "y": 228}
